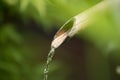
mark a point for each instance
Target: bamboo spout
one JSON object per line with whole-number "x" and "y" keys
{"x": 79, "y": 22}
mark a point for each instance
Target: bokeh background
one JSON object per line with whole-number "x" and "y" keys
{"x": 27, "y": 28}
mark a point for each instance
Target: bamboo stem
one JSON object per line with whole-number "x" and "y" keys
{"x": 79, "y": 22}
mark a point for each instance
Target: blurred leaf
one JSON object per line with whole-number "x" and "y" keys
{"x": 24, "y": 4}
{"x": 11, "y": 2}
{"x": 13, "y": 54}
{"x": 39, "y": 6}
{"x": 8, "y": 33}
{"x": 10, "y": 69}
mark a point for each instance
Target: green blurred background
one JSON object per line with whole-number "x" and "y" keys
{"x": 27, "y": 28}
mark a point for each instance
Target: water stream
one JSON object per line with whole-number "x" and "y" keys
{"x": 49, "y": 59}
{"x": 59, "y": 38}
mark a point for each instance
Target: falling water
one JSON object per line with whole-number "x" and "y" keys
{"x": 57, "y": 41}
{"x": 49, "y": 59}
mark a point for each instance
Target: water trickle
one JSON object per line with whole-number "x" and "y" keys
{"x": 49, "y": 59}
{"x": 57, "y": 41}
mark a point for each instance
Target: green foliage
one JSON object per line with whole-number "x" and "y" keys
{"x": 19, "y": 54}
{"x": 47, "y": 11}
